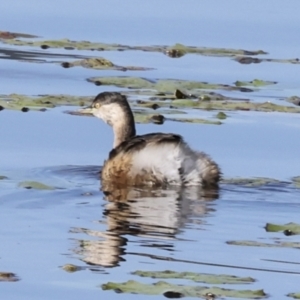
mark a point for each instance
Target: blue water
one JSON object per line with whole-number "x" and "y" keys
{"x": 43, "y": 230}
{"x": 232, "y": 24}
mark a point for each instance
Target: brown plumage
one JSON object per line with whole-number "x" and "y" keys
{"x": 155, "y": 159}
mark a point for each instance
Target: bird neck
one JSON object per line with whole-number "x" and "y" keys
{"x": 125, "y": 130}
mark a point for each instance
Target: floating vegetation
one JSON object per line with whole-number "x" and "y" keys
{"x": 100, "y": 63}
{"x": 226, "y": 105}
{"x": 24, "y": 103}
{"x": 166, "y": 105}
{"x": 162, "y": 85}
{"x": 246, "y": 60}
{"x": 294, "y": 295}
{"x": 13, "y": 35}
{"x": 2, "y": 177}
{"x": 177, "y": 50}
{"x": 255, "y": 83}
{"x": 249, "y": 106}
{"x": 163, "y": 89}
{"x": 294, "y": 99}
{"x": 195, "y": 120}
{"x": 296, "y": 181}
{"x": 71, "y": 268}
{"x": 253, "y": 60}
{"x": 36, "y": 55}
{"x": 162, "y": 287}
{"x": 221, "y": 115}
{"x": 276, "y": 244}
{"x": 63, "y": 44}
{"x": 258, "y": 182}
{"x": 35, "y": 185}
{"x": 253, "y": 182}
{"x": 287, "y": 229}
{"x": 197, "y": 277}
{"x": 145, "y": 117}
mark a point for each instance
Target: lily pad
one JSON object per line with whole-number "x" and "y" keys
{"x": 288, "y": 229}
{"x": 197, "y": 277}
{"x": 35, "y": 185}
{"x": 161, "y": 287}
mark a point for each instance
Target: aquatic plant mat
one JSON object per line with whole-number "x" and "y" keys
{"x": 153, "y": 100}
{"x": 178, "y": 291}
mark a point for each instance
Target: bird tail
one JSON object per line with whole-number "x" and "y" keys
{"x": 210, "y": 172}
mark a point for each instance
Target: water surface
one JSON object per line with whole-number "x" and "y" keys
{"x": 178, "y": 230}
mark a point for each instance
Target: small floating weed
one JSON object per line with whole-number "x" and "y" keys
{"x": 35, "y": 185}
{"x": 287, "y": 229}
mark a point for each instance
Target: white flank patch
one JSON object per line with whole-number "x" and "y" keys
{"x": 165, "y": 160}
{"x": 162, "y": 160}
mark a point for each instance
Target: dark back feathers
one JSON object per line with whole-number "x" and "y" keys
{"x": 139, "y": 142}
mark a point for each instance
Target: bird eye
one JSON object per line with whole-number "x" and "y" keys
{"x": 97, "y": 105}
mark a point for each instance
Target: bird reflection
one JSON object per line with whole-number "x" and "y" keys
{"x": 154, "y": 215}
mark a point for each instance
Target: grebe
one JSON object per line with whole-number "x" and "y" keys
{"x": 155, "y": 159}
